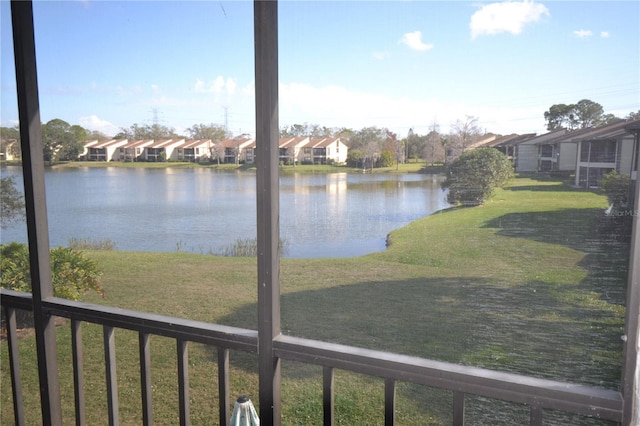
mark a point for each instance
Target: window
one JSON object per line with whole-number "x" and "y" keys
{"x": 598, "y": 152}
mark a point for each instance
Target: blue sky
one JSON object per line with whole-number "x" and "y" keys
{"x": 395, "y": 64}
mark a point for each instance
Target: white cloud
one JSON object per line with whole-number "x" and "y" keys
{"x": 509, "y": 17}
{"x": 217, "y": 86}
{"x": 582, "y": 33}
{"x": 414, "y": 41}
{"x": 605, "y": 34}
{"x": 93, "y": 122}
{"x": 335, "y": 106}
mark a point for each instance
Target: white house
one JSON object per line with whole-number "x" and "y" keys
{"x": 162, "y": 150}
{"x": 195, "y": 150}
{"x": 105, "y": 150}
{"x": 9, "y": 149}
{"x": 323, "y": 151}
{"x": 235, "y": 150}
{"x": 133, "y": 150}
{"x": 289, "y": 148}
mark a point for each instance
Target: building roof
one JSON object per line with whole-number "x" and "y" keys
{"x": 196, "y": 143}
{"x": 510, "y": 140}
{"x": 567, "y": 136}
{"x": 613, "y": 130}
{"x": 139, "y": 143}
{"x": 236, "y": 143}
{"x": 109, "y": 143}
{"x": 321, "y": 142}
{"x": 292, "y": 142}
{"x": 163, "y": 143}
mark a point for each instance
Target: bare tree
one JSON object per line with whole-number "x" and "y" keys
{"x": 433, "y": 150}
{"x": 217, "y": 151}
{"x": 466, "y": 132}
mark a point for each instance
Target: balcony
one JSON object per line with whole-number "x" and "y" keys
{"x": 269, "y": 344}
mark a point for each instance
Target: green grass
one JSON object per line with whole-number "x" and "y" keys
{"x": 532, "y": 282}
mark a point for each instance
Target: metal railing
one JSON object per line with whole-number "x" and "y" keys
{"x": 267, "y": 341}
{"x": 538, "y": 394}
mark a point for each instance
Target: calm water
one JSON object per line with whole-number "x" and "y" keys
{"x": 202, "y": 210}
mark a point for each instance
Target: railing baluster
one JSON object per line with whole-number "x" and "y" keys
{"x": 328, "y": 404}
{"x": 183, "y": 382}
{"x": 536, "y": 416}
{"x": 223, "y": 385}
{"x": 145, "y": 378}
{"x": 78, "y": 371}
{"x": 389, "y": 402}
{"x": 111, "y": 376}
{"x": 458, "y": 408}
{"x": 14, "y": 365}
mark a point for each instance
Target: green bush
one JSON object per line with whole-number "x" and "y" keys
{"x": 473, "y": 177}
{"x": 616, "y": 187}
{"x": 387, "y": 159}
{"x": 73, "y": 274}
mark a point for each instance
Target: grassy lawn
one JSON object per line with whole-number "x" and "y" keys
{"x": 532, "y": 282}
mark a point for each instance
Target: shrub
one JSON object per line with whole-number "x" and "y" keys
{"x": 247, "y": 247}
{"x": 473, "y": 177}
{"x": 73, "y": 274}
{"x": 11, "y": 202}
{"x": 89, "y": 244}
{"x": 387, "y": 159}
{"x": 616, "y": 187}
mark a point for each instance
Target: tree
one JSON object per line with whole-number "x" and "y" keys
{"x": 56, "y": 134}
{"x": 306, "y": 129}
{"x": 74, "y": 145}
{"x": 97, "y": 135}
{"x": 633, "y": 115}
{"x": 473, "y": 177}
{"x": 387, "y": 158}
{"x": 585, "y": 113}
{"x": 10, "y": 133}
{"x": 154, "y": 131}
{"x": 433, "y": 150}
{"x": 11, "y": 202}
{"x": 466, "y": 132}
{"x": 217, "y": 151}
{"x": 211, "y": 131}
{"x": 588, "y": 113}
{"x": 62, "y": 141}
{"x": 356, "y": 157}
{"x": 560, "y": 116}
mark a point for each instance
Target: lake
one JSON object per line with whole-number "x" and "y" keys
{"x": 203, "y": 210}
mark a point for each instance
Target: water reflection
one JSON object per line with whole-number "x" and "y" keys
{"x": 201, "y": 210}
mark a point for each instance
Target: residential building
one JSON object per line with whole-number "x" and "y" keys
{"x": 235, "y": 150}
{"x": 528, "y": 153}
{"x": 602, "y": 150}
{"x": 9, "y": 149}
{"x": 195, "y": 151}
{"x": 105, "y": 150}
{"x": 133, "y": 150}
{"x": 289, "y": 149}
{"x": 508, "y": 144}
{"x": 324, "y": 151}
{"x": 558, "y": 154}
{"x": 162, "y": 150}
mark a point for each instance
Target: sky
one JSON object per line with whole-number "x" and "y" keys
{"x": 401, "y": 65}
